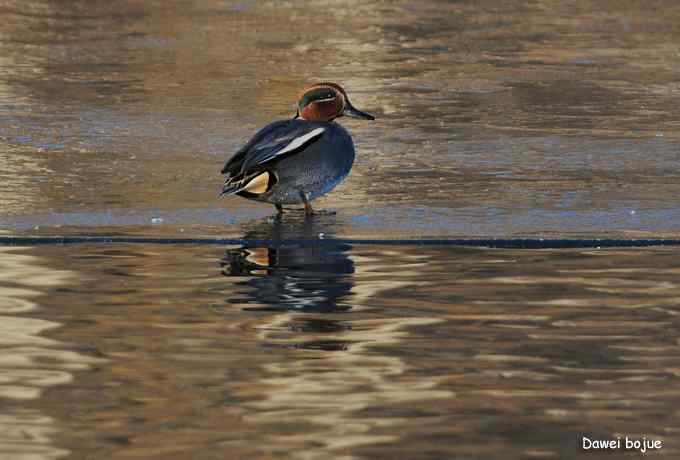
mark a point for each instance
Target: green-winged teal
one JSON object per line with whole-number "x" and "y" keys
{"x": 295, "y": 161}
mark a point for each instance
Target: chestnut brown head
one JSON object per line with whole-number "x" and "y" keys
{"x": 325, "y": 102}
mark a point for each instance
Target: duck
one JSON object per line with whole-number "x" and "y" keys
{"x": 295, "y": 161}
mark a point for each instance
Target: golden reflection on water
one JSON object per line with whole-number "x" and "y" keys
{"x": 328, "y": 391}
{"x": 30, "y": 363}
{"x": 305, "y": 350}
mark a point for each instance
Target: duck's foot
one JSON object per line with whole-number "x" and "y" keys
{"x": 309, "y": 211}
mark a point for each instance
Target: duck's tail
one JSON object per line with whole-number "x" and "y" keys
{"x": 256, "y": 183}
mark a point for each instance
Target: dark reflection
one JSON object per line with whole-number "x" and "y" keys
{"x": 293, "y": 265}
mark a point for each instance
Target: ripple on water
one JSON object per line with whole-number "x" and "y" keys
{"x": 367, "y": 351}
{"x": 30, "y": 363}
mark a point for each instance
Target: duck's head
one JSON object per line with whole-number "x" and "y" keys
{"x": 325, "y": 102}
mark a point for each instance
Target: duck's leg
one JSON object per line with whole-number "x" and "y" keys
{"x": 309, "y": 211}
{"x": 279, "y": 209}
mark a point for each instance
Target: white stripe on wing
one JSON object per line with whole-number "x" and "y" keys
{"x": 294, "y": 144}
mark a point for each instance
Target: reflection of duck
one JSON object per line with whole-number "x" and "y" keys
{"x": 290, "y": 268}
{"x": 316, "y": 309}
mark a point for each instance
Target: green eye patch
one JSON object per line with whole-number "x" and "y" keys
{"x": 315, "y": 95}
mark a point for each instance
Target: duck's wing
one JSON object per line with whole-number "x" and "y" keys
{"x": 291, "y": 142}
{"x": 273, "y": 142}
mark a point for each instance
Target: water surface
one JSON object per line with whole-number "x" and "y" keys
{"x": 331, "y": 350}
